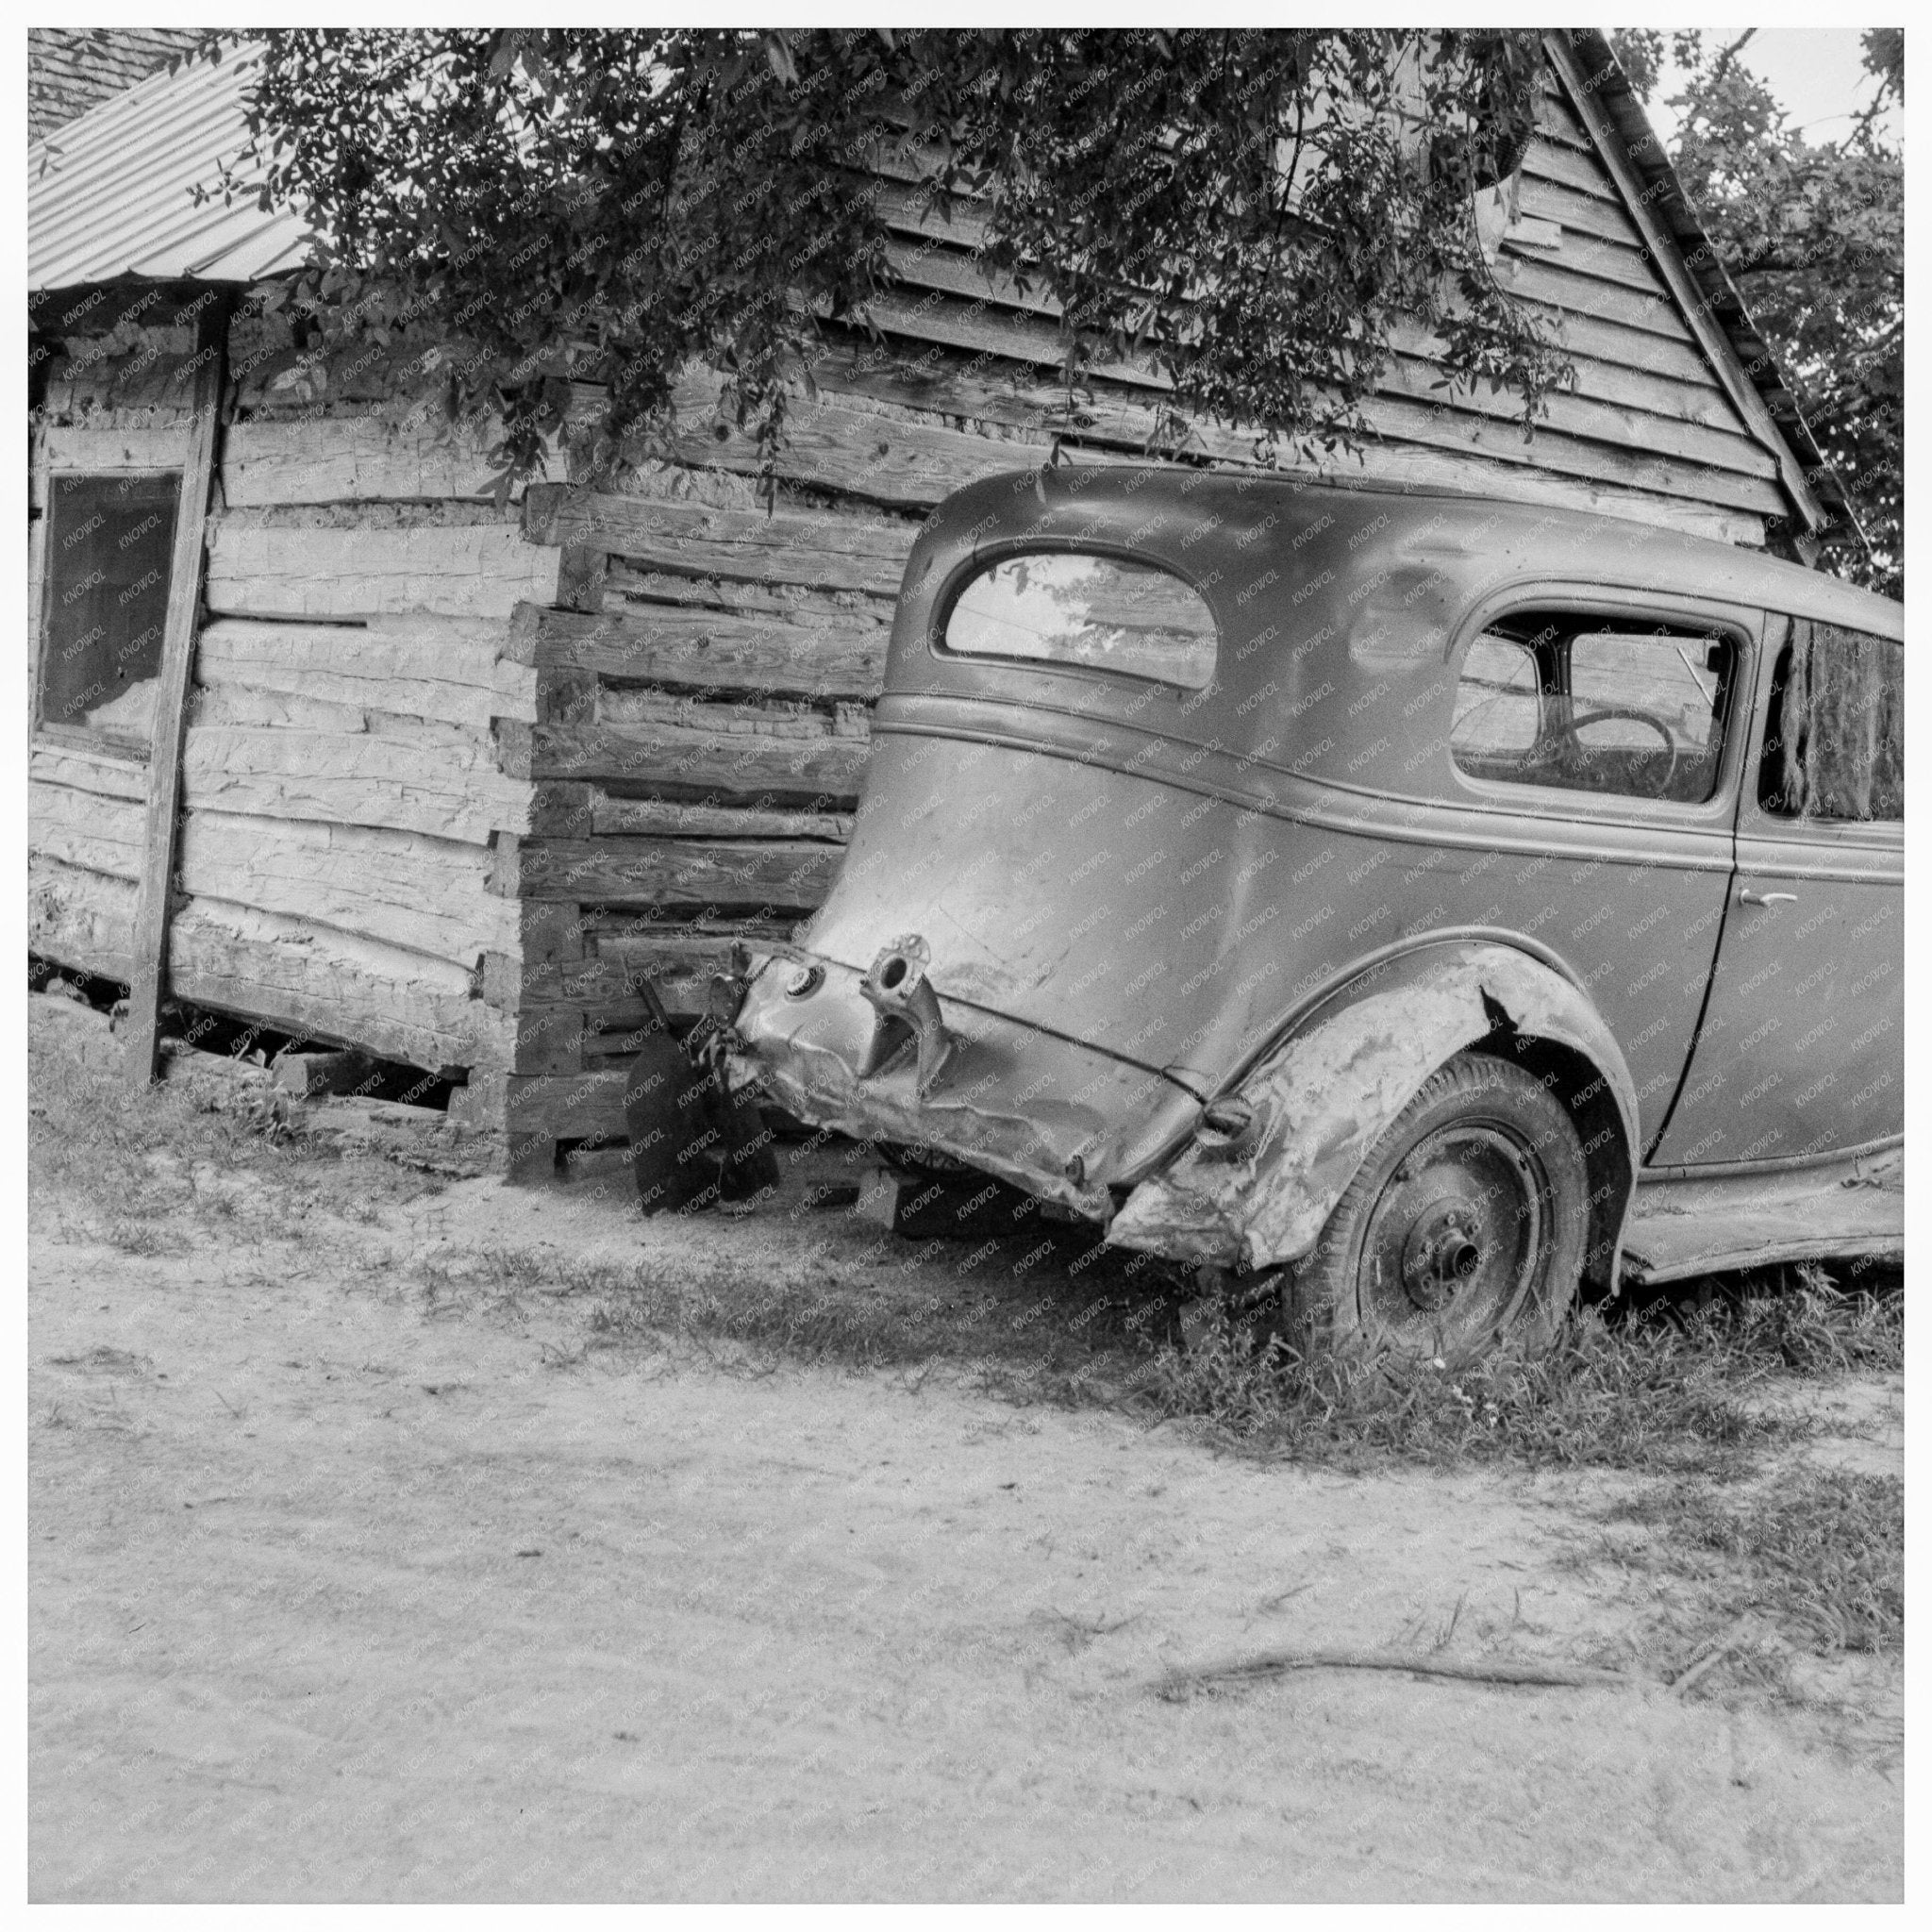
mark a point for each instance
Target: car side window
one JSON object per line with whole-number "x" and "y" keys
{"x": 1581, "y": 703}
{"x": 1834, "y": 741}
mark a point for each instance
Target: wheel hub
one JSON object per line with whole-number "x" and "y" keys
{"x": 1452, "y": 1244}
{"x": 1441, "y": 1254}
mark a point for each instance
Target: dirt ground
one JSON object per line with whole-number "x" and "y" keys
{"x": 341, "y": 1589}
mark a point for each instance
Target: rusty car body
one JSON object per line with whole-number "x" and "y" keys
{"x": 1231, "y": 843}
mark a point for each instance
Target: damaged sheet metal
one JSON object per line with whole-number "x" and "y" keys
{"x": 1053, "y": 1118}
{"x": 1321, "y": 1101}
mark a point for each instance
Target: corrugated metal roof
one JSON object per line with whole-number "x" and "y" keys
{"x": 112, "y": 193}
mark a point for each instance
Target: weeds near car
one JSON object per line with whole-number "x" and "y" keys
{"x": 1651, "y": 1389}
{"x": 1819, "y": 1549}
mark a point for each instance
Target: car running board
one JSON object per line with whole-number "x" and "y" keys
{"x": 1680, "y": 1226}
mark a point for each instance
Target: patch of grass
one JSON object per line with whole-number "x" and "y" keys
{"x": 1800, "y": 1322}
{"x": 1821, "y": 1550}
{"x": 129, "y": 1156}
{"x": 1013, "y": 1328}
{"x": 1632, "y": 1396}
{"x": 1657, "y": 1387}
{"x": 134, "y": 1237}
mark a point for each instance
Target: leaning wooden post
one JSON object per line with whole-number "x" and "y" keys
{"x": 150, "y": 967}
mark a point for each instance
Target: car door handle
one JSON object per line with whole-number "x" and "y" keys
{"x": 1747, "y": 897}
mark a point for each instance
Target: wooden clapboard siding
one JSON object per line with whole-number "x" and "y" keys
{"x": 283, "y": 570}
{"x": 80, "y": 918}
{"x": 1564, "y": 166}
{"x": 454, "y": 670}
{"x": 1580, "y": 212}
{"x": 403, "y": 889}
{"x": 308, "y": 978}
{"x": 710, "y": 650}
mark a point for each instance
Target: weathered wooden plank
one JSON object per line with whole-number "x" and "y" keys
{"x": 815, "y": 549}
{"x": 1672, "y": 358}
{"x": 610, "y": 990}
{"x": 178, "y": 625}
{"x": 310, "y": 980}
{"x": 733, "y": 764}
{"x": 474, "y": 570}
{"x": 1558, "y": 285}
{"x": 358, "y": 459}
{"x": 1550, "y": 159}
{"x": 1426, "y": 447}
{"x": 1557, "y": 120}
{"x": 708, "y": 650}
{"x": 109, "y": 452}
{"x": 772, "y": 717}
{"x": 450, "y": 792}
{"x": 1589, "y": 419}
{"x": 792, "y": 874}
{"x": 452, "y": 669}
{"x": 1502, "y": 443}
{"x": 664, "y": 817}
{"x": 403, "y": 889}
{"x": 245, "y": 706}
{"x": 976, "y": 324}
{"x": 81, "y": 770}
{"x": 830, "y": 445}
{"x": 82, "y": 919}
{"x": 1578, "y": 211}
{"x": 104, "y": 832}
{"x": 568, "y": 1107}
{"x": 1664, "y": 250}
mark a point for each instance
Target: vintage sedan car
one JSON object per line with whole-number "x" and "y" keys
{"x": 1427, "y": 903}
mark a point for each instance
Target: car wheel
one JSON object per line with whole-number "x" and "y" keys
{"x": 1464, "y": 1226}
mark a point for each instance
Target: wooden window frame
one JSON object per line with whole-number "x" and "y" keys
{"x": 57, "y": 454}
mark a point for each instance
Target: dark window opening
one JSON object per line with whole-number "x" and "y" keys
{"x": 1835, "y": 742}
{"x": 105, "y": 605}
{"x": 1594, "y": 703}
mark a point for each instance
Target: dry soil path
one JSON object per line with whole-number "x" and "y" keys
{"x": 331, "y": 1598}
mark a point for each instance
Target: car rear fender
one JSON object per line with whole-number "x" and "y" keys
{"x": 1325, "y": 1093}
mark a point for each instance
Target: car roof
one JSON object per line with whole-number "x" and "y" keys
{"x": 1461, "y": 530}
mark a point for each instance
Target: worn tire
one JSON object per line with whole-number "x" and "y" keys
{"x": 1464, "y": 1227}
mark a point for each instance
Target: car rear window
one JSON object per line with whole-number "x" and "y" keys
{"x": 1063, "y": 607}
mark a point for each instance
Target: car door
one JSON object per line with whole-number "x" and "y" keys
{"x": 1800, "y": 1053}
{"x": 1596, "y": 736}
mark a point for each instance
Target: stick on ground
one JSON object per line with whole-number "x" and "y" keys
{"x": 1476, "y": 1670}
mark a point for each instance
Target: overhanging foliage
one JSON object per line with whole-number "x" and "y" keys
{"x": 1250, "y": 211}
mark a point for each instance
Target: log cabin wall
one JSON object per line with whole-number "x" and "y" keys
{"x": 458, "y": 778}
{"x": 341, "y": 789}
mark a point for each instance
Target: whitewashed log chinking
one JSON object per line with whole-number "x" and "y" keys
{"x": 456, "y": 776}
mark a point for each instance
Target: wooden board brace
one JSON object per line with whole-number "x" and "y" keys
{"x": 171, "y": 703}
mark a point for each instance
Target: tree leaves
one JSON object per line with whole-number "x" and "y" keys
{"x": 1252, "y": 211}
{"x": 1814, "y": 237}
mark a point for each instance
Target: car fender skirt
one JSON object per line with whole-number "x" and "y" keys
{"x": 1322, "y": 1097}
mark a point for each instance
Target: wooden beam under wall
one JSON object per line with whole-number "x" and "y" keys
{"x": 171, "y": 701}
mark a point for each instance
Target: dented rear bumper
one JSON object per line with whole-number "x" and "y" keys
{"x": 1067, "y": 1123}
